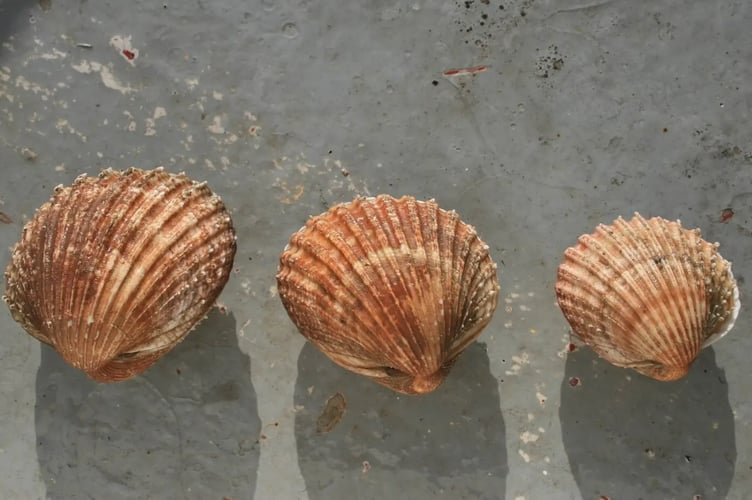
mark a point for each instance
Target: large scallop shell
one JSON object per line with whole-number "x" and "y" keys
{"x": 393, "y": 289}
{"x": 647, "y": 294}
{"x": 115, "y": 270}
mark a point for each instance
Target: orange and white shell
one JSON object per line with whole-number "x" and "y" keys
{"x": 393, "y": 289}
{"x": 115, "y": 270}
{"x": 647, "y": 294}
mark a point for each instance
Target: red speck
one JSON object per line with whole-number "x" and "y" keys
{"x": 345, "y": 172}
{"x": 574, "y": 381}
{"x": 129, "y": 54}
{"x": 465, "y": 71}
{"x": 726, "y": 214}
{"x": 571, "y": 347}
{"x": 263, "y": 436}
{"x": 605, "y": 497}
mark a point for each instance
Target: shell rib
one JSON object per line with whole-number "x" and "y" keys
{"x": 393, "y": 289}
{"x": 647, "y": 294}
{"x": 115, "y": 270}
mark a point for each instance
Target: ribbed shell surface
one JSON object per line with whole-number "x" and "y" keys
{"x": 647, "y": 294}
{"x": 115, "y": 270}
{"x": 393, "y": 289}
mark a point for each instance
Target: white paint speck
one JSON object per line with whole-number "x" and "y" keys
{"x": 108, "y": 79}
{"x": 216, "y": 126}
{"x": 303, "y": 167}
{"x": 524, "y": 456}
{"x": 55, "y": 54}
{"x": 217, "y": 95}
{"x": 159, "y": 112}
{"x": 528, "y": 437}
{"x": 518, "y": 363}
{"x": 23, "y": 83}
{"x": 541, "y": 398}
{"x": 63, "y": 126}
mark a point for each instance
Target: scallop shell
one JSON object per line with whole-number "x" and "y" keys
{"x": 115, "y": 270}
{"x": 393, "y": 289}
{"x": 647, "y": 294}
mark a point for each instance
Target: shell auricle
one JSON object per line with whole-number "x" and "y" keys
{"x": 393, "y": 289}
{"x": 115, "y": 270}
{"x": 647, "y": 294}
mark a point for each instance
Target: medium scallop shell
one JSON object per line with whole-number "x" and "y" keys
{"x": 115, "y": 270}
{"x": 393, "y": 289}
{"x": 647, "y": 294}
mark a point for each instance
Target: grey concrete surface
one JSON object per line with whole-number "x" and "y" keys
{"x": 587, "y": 110}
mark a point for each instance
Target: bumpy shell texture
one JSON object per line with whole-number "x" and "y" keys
{"x": 393, "y": 289}
{"x": 115, "y": 270}
{"x": 647, "y": 294}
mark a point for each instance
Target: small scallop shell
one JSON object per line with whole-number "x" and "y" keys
{"x": 647, "y": 294}
{"x": 393, "y": 289}
{"x": 115, "y": 270}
